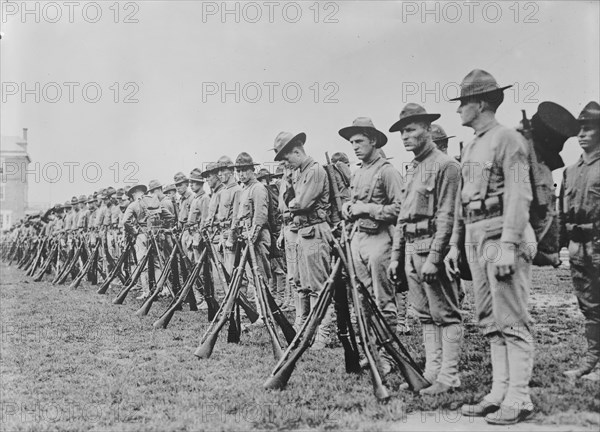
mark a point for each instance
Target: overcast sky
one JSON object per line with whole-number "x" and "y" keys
{"x": 184, "y": 63}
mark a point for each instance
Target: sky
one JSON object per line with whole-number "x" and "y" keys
{"x": 114, "y": 92}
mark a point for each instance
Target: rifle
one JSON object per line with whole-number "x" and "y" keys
{"x": 47, "y": 263}
{"x": 86, "y": 268}
{"x": 284, "y": 368}
{"x": 264, "y": 305}
{"x": 345, "y": 331}
{"x": 165, "y": 318}
{"x": 136, "y": 275}
{"x": 110, "y": 277}
{"x": 208, "y": 340}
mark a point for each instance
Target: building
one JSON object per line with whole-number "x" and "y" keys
{"x": 14, "y": 162}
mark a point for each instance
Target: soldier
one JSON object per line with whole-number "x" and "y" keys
{"x": 183, "y": 210}
{"x": 310, "y": 211}
{"x": 492, "y": 219}
{"x": 198, "y": 210}
{"x": 425, "y": 224}
{"x": 580, "y": 216}
{"x": 439, "y": 137}
{"x": 278, "y": 283}
{"x": 252, "y": 214}
{"x": 134, "y": 220}
{"x": 84, "y": 214}
{"x": 375, "y": 192}
{"x": 228, "y": 200}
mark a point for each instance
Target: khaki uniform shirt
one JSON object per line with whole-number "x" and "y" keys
{"x": 135, "y": 216}
{"x": 430, "y": 195}
{"x": 183, "y": 204}
{"x": 498, "y": 157}
{"x": 311, "y": 188}
{"x": 198, "y": 209}
{"x": 580, "y": 193}
{"x": 254, "y": 205}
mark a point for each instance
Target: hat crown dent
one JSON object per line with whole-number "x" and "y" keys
{"x": 154, "y": 184}
{"x": 244, "y": 159}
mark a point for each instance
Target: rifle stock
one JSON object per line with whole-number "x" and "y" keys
{"x": 124, "y": 256}
{"x": 120, "y": 298}
{"x": 143, "y": 311}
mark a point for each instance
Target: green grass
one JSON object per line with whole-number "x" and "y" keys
{"x": 70, "y": 360}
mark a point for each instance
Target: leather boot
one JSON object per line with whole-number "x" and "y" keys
{"x": 520, "y": 367}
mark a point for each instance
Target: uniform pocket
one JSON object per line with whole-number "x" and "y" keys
{"x": 307, "y": 232}
{"x": 424, "y": 205}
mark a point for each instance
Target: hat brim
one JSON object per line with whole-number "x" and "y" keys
{"x": 136, "y": 188}
{"x": 252, "y": 165}
{"x": 350, "y": 131}
{"x": 197, "y": 179}
{"x": 177, "y": 183}
{"x": 300, "y": 138}
{"x": 443, "y": 138}
{"x": 471, "y": 96}
{"x": 429, "y": 118}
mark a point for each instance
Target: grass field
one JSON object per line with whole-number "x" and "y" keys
{"x": 70, "y": 360}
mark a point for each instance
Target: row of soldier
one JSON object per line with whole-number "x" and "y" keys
{"x": 418, "y": 233}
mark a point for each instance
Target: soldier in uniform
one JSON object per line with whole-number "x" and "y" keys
{"x": 84, "y": 214}
{"x": 228, "y": 201}
{"x": 198, "y": 210}
{"x": 492, "y": 218}
{"x": 310, "y": 210}
{"x": 134, "y": 220}
{"x": 580, "y": 223}
{"x": 375, "y": 193}
{"x": 183, "y": 209}
{"x": 252, "y": 215}
{"x": 425, "y": 223}
{"x": 439, "y": 137}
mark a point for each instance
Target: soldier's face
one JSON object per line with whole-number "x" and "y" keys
{"x": 363, "y": 147}
{"x": 171, "y": 193}
{"x": 415, "y": 136}
{"x": 196, "y": 186}
{"x": 181, "y": 188}
{"x": 589, "y": 136}
{"x": 245, "y": 174}
{"x": 469, "y": 111}
{"x": 293, "y": 159}
{"x": 224, "y": 175}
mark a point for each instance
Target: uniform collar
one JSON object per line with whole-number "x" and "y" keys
{"x": 492, "y": 124}
{"x": 590, "y": 158}
{"x": 427, "y": 150}
{"x": 309, "y": 160}
{"x": 218, "y": 188}
{"x": 373, "y": 162}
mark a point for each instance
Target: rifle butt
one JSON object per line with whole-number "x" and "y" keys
{"x": 143, "y": 311}
{"x": 206, "y": 348}
{"x": 165, "y": 319}
{"x": 279, "y": 380}
{"x": 120, "y": 298}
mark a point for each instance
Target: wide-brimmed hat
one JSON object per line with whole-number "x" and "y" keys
{"x": 263, "y": 173}
{"x": 438, "y": 133}
{"x": 169, "y": 187}
{"x": 196, "y": 175}
{"x": 244, "y": 160}
{"x": 340, "y": 157}
{"x": 67, "y": 205}
{"x": 83, "y": 199}
{"x": 223, "y": 162}
{"x": 136, "y": 188}
{"x": 590, "y": 113}
{"x": 154, "y": 184}
{"x": 74, "y": 200}
{"x": 360, "y": 125}
{"x": 180, "y": 178}
{"x": 109, "y": 191}
{"x": 284, "y": 141}
{"x": 478, "y": 82}
{"x": 57, "y": 207}
{"x": 91, "y": 199}
{"x": 411, "y": 113}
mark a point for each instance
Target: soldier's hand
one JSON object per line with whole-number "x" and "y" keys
{"x": 505, "y": 265}
{"x": 451, "y": 262}
{"x": 392, "y": 270}
{"x": 429, "y": 272}
{"x": 347, "y": 210}
{"x": 359, "y": 208}
{"x": 280, "y": 240}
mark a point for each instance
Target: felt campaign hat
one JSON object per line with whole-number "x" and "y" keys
{"x": 196, "y": 175}
{"x": 411, "y": 113}
{"x": 360, "y": 125}
{"x": 137, "y": 188}
{"x": 438, "y": 133}
{"x": 154, "y": 184}
{"x": 244, "y": 160}
{"x": 169, "y": 187}
{"x": 286, "y": 140}
{"x": 590, "y": 113}
{"x": 263, "y": 173}
{"x": 478, "y": 82}
{"x": 224, "y": 162}
{"x": 179, "y": 178}
{"x": 211, "y": 168}
{"x": 83, "y": 199}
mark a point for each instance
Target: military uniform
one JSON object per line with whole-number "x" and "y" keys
{"x": 310, "y": 211}
{"x": 134, "y": 219}
{"x": 425, "y": 224}
{"x": 227, "y": 209}
{"x": 492, "y": 218}
{"x": 580, "y": 216}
